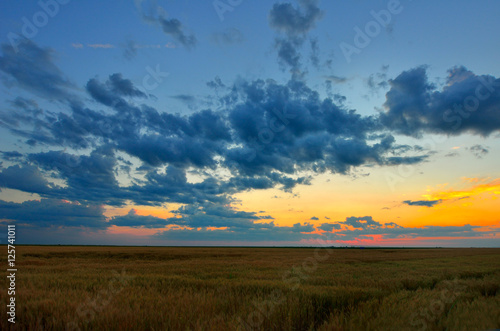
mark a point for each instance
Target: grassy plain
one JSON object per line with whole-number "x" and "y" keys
{"x": 166, "y": 288}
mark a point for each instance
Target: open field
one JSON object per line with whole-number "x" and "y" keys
{"x": 117, "y": 288}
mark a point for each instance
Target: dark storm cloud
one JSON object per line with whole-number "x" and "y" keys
{"x": 101, "y": 93}
{"x": 32, "y": 68}
{"x": 266, "y": 136}
{"x": 88, "y": 178}
{"x": 295, "y": 23}
{"x": 11, "y": 156}
{"x": 180, "y": 151}
{"x": 288, "y": 53}
{"x": 422, "y": 203}
{"x": 26, "y": 178}
{"x": 467, "y": 104}
{"x": 365, "y": 222}
{"x": 285, "y": 126}
{"x": 92, "y": 178}
{"x": 284, "y": 17}
{"x": 307, "y": 134}
{"x": 172, "y": 186}
{"x": 123, "y": 87}
{"x": 328, "y": 227}
{"x": 174, "y": 28}
{"x": 53, "y": 213}
{"x": 112, "y": 91}
{"x": 283, "y": 182}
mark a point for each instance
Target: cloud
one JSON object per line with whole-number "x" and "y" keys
{"x": 11, "y": 156}
{"x": 422, "y": 203}
{"x": 365, "y": 222}
{"x": 452, "y": 154}
{"x": 190, "y": 100}
{"x": 336, "y": 79}
{"x": 48, "y": 213}
{"x": 479, "y": 151}
{"x": 111, "y": 92}
{"x": 295, "y": 21}
{"x": 123, "y": 87}
{"x": 130, "y": 50}
{"x": 314, "y": 218}
{"x": 328, "y": 227}
{"x": 153, "y": 13}
{"x": 467, "y": 104}
{"x": 304, "y": 134}
{"x": 102, "y": 46}
{"x": 314, "y": 52}
{"x": 229, "y": 36}
{"x": 365, "y": 228}
{"x": 25, "y": 178}
{"x": 288, "y": 54}
{"x": 149, "y": 10}
{"x": 138, "y": 221}
{"x": 257, "y": 232}
{"x": 481, "y": 186}
{"x": 319, "y": 136}
{"x": 32, "y": 68}
{"x": 378, "y": 81}
{"x": 173, "y": 27}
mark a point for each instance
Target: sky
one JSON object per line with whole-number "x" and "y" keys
{"x": 250, "y": 123}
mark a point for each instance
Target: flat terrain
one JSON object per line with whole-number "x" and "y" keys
{"x": 147, "y": 288}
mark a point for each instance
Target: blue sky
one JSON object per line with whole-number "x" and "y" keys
{"x": 235, "y": 122}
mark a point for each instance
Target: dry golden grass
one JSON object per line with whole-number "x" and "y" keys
{"x": 146, "y": 288}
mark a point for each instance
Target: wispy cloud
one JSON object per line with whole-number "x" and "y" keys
{"x": 482, "y": 186}
{"x": 104, "y": 46}
{"x": 422, "y": 203}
